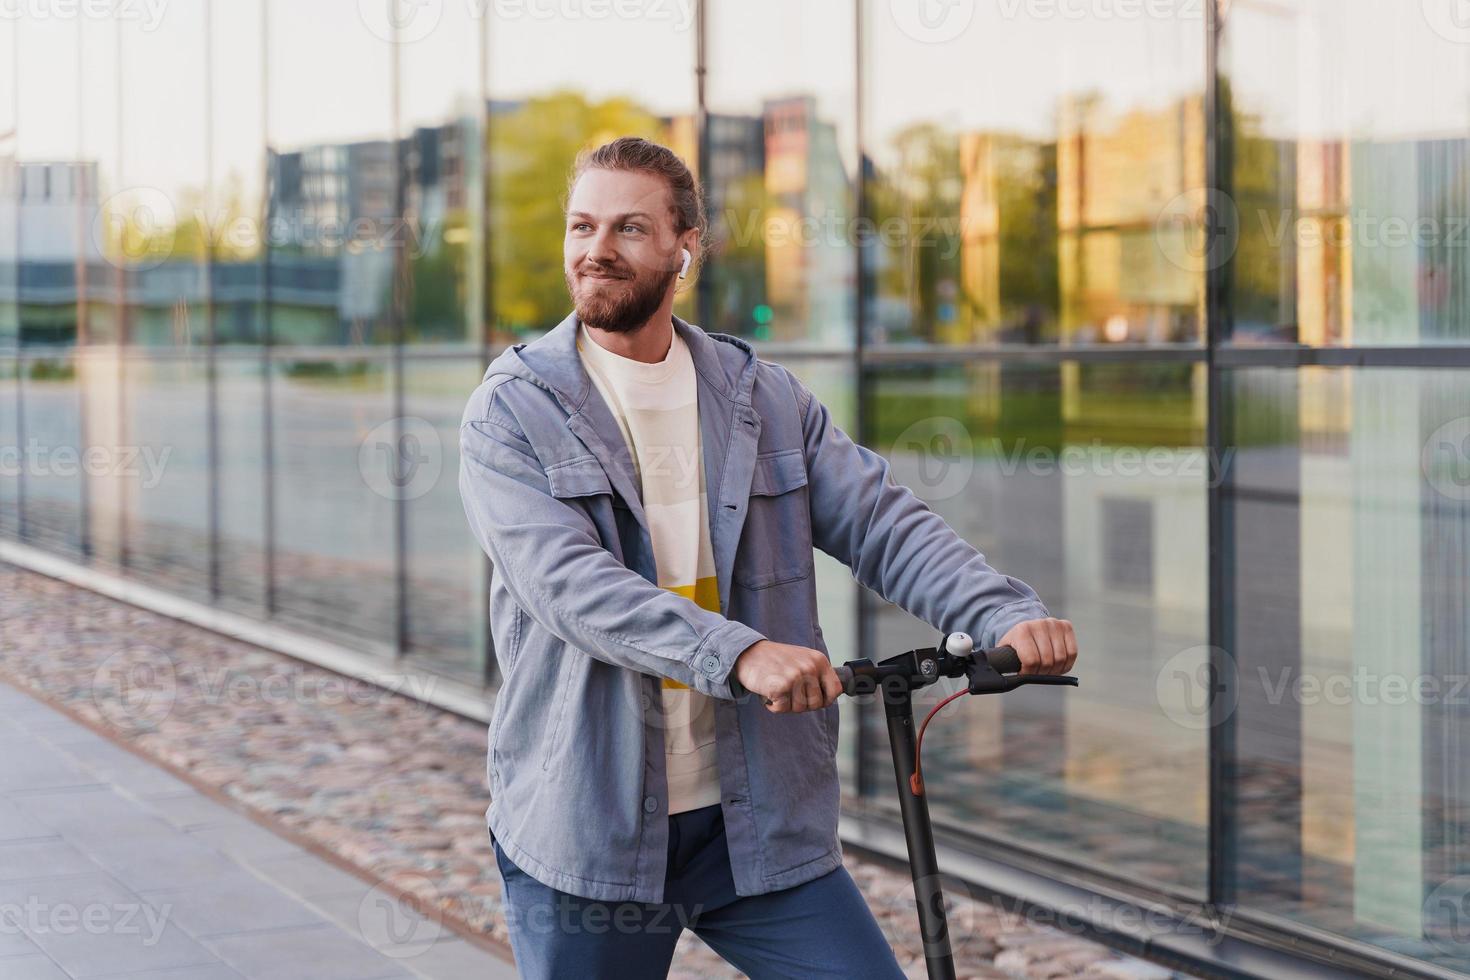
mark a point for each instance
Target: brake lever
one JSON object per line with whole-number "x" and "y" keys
{"x": 985, "y": 679}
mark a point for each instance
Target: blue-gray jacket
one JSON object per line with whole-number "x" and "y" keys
{"x": 584, "y": 635}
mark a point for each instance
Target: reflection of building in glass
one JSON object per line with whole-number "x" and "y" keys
{"x": 809, "y": 268}
{"x": 331, "y": 207}
{"x": 54, "y": 245}
{"x": 1116, "y": 172}
{"x": 780, "y": 203}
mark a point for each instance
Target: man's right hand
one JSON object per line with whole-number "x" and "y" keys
{"x": 790, "y": 678}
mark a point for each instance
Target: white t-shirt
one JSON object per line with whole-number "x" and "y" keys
{"x": 657, "y": 408}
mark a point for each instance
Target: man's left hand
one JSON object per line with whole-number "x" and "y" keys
{"x": 1045, "y": 646}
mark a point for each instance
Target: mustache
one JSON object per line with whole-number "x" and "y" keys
{"x": 617, "y": 272}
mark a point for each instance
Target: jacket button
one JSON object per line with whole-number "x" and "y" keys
{"x": 711, "y": 664}
{"x": 650, "y": 804}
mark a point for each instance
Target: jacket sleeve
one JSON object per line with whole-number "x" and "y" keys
{"x": 549, "y": 556}
{"x": 895, "y": 545}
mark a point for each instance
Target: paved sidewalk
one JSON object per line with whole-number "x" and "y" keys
{"x": 111, "y": 867}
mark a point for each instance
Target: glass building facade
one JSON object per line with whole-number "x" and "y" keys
{"x": 1165, "y": 306}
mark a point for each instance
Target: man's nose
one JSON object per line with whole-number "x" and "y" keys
{"x": 601, "y": 249}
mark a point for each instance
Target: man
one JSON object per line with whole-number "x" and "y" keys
{"x": 649, "y": 496}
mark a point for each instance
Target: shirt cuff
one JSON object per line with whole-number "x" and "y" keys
{"x": 715, "y": 658}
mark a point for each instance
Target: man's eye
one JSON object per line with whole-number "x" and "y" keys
{"x": 635, "y": 229}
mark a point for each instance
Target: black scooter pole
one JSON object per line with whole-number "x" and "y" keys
{"x": 919, "y": 835}
{"x": 898, "y": 677}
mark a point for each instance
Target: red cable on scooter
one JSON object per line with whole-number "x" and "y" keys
{"x": 916, "y": 781}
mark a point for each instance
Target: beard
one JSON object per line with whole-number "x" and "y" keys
{"x": 618, "y": 305}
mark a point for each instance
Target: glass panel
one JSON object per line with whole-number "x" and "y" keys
{"x": 1351, "y": 186}
{"x": 1088, "y": 482}
{"x": 332, "y": 177}
{"x": 163, "y": 472}
{"x": 237, "y": 289}
{"x": 12, "y": 455}
{"x": 158, "y": 214}
{"x": 443, "y": 109}
{"x": 1013, "y": 202}
{"x": 1351, "y": 503}
{"x": 632, "y": 76}
{"x": 53, "y": 178}
{"x": 781, "y": 170}
{"x": 12, "y": 460}
{"x": 243, "y": 479}
{"x": 9, "y": 197}
{"x": 446, "y": 568}
{"x": 51, "y": 483}
{"x": 333, "y": 524}
{"x": 93, "y": 213}
{"x": 157, "y": 228}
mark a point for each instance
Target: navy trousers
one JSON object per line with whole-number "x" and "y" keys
{"x": 822, "y": 928}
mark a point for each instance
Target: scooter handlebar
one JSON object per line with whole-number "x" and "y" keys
{"x": 1003, "y": 660}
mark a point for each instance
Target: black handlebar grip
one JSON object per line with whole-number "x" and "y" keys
{"x": 844, "y": 674}
{"x": 1004, "y": 660}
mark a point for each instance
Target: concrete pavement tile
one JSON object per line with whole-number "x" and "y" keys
{"x": 308, "y": 876}
{"x": 190, "y": 810}
{"x": 82, "y": 813}
{"x": 455, "y": 959}
{"x": 142, "y": 850}
{"x": 79, "y": 740}
{"x": 39, "y": 766}
{"x": 231, "y": 903}
{"x": 42, "y": 859}
{"x": 13, "y": 941}
{"x": 92, "y": 926}
{"x": 244, "y": 840}
{"x": 16, "y": 824}
{"x": 217, "y": 971}
{"x": 314, "y": 953}
{"x": 166, "y": 860}
{"x": 35, "y": 967}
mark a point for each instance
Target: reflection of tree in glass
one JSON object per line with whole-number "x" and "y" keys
{"x": 920, "y": 262}
{"x": 533, "y": 145}
{"x": 967, "y": 226}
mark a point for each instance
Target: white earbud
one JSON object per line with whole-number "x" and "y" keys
{"x": 684, "y": 269}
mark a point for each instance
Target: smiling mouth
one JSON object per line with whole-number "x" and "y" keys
{"x": 601, "y": 276}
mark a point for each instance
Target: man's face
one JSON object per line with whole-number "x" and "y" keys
{"x": 620, "y": 254}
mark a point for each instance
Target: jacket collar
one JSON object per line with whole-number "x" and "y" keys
{"x": 727, "y": 364}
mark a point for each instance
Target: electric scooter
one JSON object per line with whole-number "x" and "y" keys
{"x": 988, "y": 672}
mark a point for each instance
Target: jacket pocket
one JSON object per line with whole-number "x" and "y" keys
{"x": 580, "y": 477}
{"x": 776, "y": 543}
{"x": 558, "y": 699}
